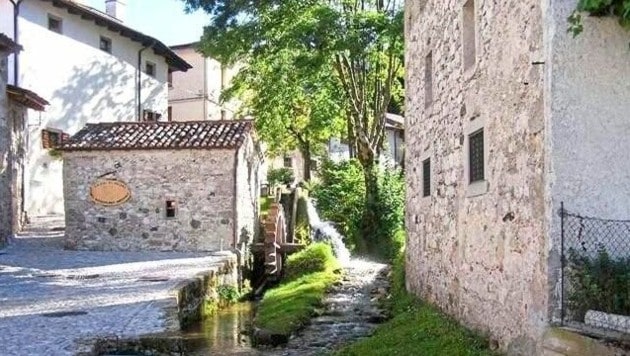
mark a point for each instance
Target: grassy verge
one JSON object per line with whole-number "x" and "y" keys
{"x": 417, "y": 328}
{"x": 288, "y": 307}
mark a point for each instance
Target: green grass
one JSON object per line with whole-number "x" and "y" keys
{"x": 288, "y": 307}
{"x": 416, "y": 329}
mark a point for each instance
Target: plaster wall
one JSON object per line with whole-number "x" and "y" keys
{"x": 201, "y": 182}
{"x": 587, "y": 111}
{"x": 82, "y": 83}
{"x": 5, "y": 169}
{"x": 478, "y": 250}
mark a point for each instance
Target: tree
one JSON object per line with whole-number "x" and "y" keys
{"x": 616, "y": 8}
{"x": 357, "y": 43}
{"x": 293, "y": 107}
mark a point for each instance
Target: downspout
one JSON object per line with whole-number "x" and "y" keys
{"x": 139, "y": 82}
{"x": 16, "y": 65}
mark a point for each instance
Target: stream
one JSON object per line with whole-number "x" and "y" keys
{"x": 351, "y": 310}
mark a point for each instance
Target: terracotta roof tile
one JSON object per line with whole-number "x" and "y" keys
{"x": 160, "y": 135}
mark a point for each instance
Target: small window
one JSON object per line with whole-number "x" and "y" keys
{"x": 149, "y": 69}
{"x": 428, "y": 80}
{"x": 171, "y": 208}
{"x": 55, "y": 24}
{"x": 476, "y": 156}
{"x": 426, "y": 177}
{"x": 469, "y": 36}
{"x": 105, "y": 44}
{"x": 150, "y": 116}
{"x": 169, "y": 113}
{"x": 288, "y": 162}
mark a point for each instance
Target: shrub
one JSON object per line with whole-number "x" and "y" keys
{"x": 280, "y": 176}
{"x": 598, "y": 283}
{"x": 302, "y": 229}
{"x": 318, "y": 257}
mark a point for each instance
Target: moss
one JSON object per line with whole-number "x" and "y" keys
{"x": 289, "y": 307}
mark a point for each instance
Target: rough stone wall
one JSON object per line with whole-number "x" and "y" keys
{"x": 247, "y": 192}
{"x": 5, "y": 171}
{"x": 17, "y": 114}
{"x": 479, "y": 250}
{"x": 200, "y": 181}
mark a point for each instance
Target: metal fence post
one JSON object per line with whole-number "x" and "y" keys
{"x": 562, "y": 263}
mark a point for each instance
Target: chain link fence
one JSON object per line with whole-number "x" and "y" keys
{"x": 595, "y": 272}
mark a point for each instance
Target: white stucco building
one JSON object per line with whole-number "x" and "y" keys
{"x": 196, "y": 94}
{"x": 393, "y": 151}
{"x": 92, "y": 68}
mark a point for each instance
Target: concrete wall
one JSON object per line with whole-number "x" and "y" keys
{"x": 196, "y": 94}
{"x": 200, "y": 181}
{"x": 478, "y": 250}
{"x": 587, "y": 117}
{"x": 82, "y": 83}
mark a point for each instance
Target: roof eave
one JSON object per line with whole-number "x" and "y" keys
{"x": 26, "y": 98}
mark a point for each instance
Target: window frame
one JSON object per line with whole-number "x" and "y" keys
{"x": 428, "y": 80}
{"x": 426, "y": 177}
{"x": 470, "y": 52}
{"x": 108, "y": 41}
{"x": 476, "y": 173}
{"x": 478, "y": 187}
{"x": 288, "y": 159}
{"x": 147, "y": 65}
{"x": 59, "y": 20}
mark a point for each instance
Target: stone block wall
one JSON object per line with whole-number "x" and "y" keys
{"x": 479, "y": 251}
{"x": 247, "y": 193}
{"x": 201, "y": 182}
{"x": 5, "y": 171}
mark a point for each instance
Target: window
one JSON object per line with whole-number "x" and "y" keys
{"x": 149, "y": 68}
{"x": 169, "y": 113}
{"x": 105, "y": 44}
{"x": 426, "y": 177}
{"x": 150, "y": 116}
{"x": 55, "y": 24}
{"x": 469, "y": 36}
{"x": 428, "y": 80}
{"x": 171, "y": 208}
{"x": 288, "y": 162}
{"x": 53, "y": 138}
{"x": 476, "y": 156}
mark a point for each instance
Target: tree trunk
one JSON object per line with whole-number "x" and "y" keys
{"x": 306, "y": 164}
{"x": 369, "y": 219}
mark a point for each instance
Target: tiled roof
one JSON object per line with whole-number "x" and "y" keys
{"x": 7, "y": 44}
{"x": 26, "y": 98}
{"x": 160, "y": 135}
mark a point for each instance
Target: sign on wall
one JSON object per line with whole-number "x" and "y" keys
{"x": 109, "y": 192}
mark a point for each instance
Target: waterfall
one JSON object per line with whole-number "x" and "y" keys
{"x": 325, "y": 231}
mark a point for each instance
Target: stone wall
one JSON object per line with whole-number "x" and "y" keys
{"x": 247, "y": 192}
{"x": 201, "y": 182}
{"x": 5, "y": 171}
{"x": 478, "y": 250}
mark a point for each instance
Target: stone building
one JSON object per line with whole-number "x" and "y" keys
{"x": 14, "y": 103}
{"x": 176, "y": 186}
{"x": 507, "y": 117}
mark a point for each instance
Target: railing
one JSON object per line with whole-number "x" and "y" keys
{"x": 595, "y": 272}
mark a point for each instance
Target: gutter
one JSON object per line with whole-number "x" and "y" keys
{"x": 139, "y": 81}
{"x": 16, "y": 55}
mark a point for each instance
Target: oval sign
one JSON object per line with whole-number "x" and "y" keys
{"x": 109, "y": 192}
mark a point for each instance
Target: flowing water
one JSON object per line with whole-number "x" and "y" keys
{"x": 351, "y": 310}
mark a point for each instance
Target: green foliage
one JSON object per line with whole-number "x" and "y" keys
{"x": 288, "y": 307}
{"x": 599, "y": 283}
{"x": 340, "y": 197}
{"x": 265, "y": 204}
{"x": 302, "y": 227}
{"x": 280, "y": 176}
{"x": 228, "y": 294}
{"x": 616, "y": 8}
{"x": 318, "y": 257}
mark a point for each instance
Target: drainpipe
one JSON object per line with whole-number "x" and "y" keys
{"x": 139, "y": 82}
{"x": 16, "y": 65}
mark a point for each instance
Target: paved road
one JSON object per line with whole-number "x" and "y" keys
{"x": 52, "y": 300}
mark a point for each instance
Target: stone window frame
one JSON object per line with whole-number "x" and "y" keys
{"x": 470, "y": 71}
{"x": 477, "y": 188}
{"x": 427, "y": 155}
{"x": 429, "y": 76}
{"x": 175, "y": 208}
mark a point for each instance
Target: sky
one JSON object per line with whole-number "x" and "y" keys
{"x": 162, "y": 19}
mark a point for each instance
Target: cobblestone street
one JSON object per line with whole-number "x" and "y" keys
{"x": 53, "y": 301}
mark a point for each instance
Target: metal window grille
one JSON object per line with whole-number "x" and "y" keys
{"x": 595, "y": 273}
{"x": 476, "y": 159}
{"x": 426, "y": 177}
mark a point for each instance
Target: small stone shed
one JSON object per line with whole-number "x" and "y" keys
{"x": 165, "y": 186}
